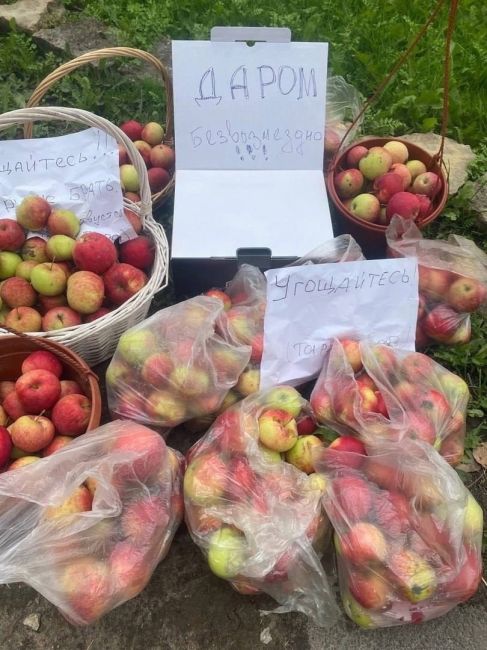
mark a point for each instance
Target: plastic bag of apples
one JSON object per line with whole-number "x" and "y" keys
{"x": 408, "y": 534}
{"x": 379, "y": 393}
{"x": 175, "y": 365}
{"x": 252, "y": 508}
{"x": 343, "y": 104}
{"x": 452, "y": 281}
{"x": 87, "y": 526}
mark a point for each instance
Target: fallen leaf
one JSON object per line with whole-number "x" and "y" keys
{"x": 480, "y": 454}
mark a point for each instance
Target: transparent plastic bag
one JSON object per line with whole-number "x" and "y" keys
{"x": 257, "y": 517}
{"x": 343, "y": 104}
{"x": 452, "y": 281}
{"x": 379, "y": 393}
{"x": 87, "y": 525}
{"x": 408, "y": 534}
{"x": 175, "y": 365}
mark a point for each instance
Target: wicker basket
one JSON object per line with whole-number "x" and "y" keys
{"x": 108, "y": 53}
{"x": 97, "y": 341}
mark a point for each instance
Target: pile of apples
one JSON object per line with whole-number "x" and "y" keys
{"x": 247, "y": 487}
{"x": 64, "y": 281}
{"x": 407, "y": 534}
{"x": 40, "y": 411}
{"x": 378, "y": 393}
{"x": 158, "y": 157}
{"x": 379, "y": 182}
{"x": 176, "y": 365}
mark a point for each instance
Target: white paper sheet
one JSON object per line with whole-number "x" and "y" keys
{"x": 76, "y": 172}
{"x": 309, "y": 305}
{"x": 249, "y": 132}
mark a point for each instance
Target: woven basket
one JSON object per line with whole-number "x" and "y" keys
{"x": 97, "y": 341}
{"x": 108, "y": 53}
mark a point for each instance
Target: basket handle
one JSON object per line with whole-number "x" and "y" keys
{"x": 51, "y": 113}
{"x": 107, "y": 53}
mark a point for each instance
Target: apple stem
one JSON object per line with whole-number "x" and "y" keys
{"x": 36, "y": 419}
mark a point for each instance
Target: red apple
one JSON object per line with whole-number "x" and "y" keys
{"x": 162, "y": 156}
{"x": 32, "y": 433}
{"x": 442, "y": 323}
{"x": 402, "y": 171}
{"x": 356, "y": 154}
{"x": 17, "y": 292}
{"x": 322, "y": 406}
{"x": 138, "y": 252}
{"x": 417, "y": 368}
{"x": 131, "y": 217}
{"x": 38, "y": 390}
{"x": 364, "y": 544}
{"x": 132, "y": 129}
{"x": 34, "y": 249}
{"x": 69, "y": 387}
{"x": 144, "y": 149}
{"x": 392, "y": 513}
{"x": 144, "y": 519}
{"x": 46, "y": 303}
{"x": 143, "y": 451}
{"x": 129, "y": 569}
{"x": 99, "y": 313}
{"x": 424, "y": 205}
{"x": 371, "y": 590}
{"x": 206, "y": 479}
{"x": 13, "y": 406}
{"x": 71, "y": 415}
{"x": 32, "y": 213}
{"x": 381, "y": 474}
{"x": 42, "y": 360}
{"x": 427, "y": 183}
{"x": 348, "y": 183}
{"x": 122, "y": 281}
{"x": 158, "y": 179}
{"x": 57, "y": 443}
{"x": 5, "y": 446}
{"x": 464, "y": 295}
{"x": 12, "y": 235}
{"x": 123, "y": 157}
{"x": 59, "y": 318}
{"x": 63, "y": 222}
{"x": 85, "y": 584}
{"x": 94, "y": 252}
{"x": 24, "y": 319}
{"x": 388, "y": 185}
{"x": 404, "y": 204}
{"x": 466, "y": 581}
{"x": 352, "y": 496}
{"x": 306, "y": 425}
{"x": 157, "y": 368}
{"x": 433, "y": 282}
{"x": 85, "y": 292}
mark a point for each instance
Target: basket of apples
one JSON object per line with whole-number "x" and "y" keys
{"x": 376, "y": 178}
{"x": 154, "y": 142}
{"x": 408, "y": 533}
{"x": 84, "y": 292}
{"x": 48, "y": 397}
{"x": 452, "y": 281}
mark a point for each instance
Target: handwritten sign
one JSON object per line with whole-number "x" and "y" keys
{"x": 76, "y": 172}
{"x": 249, "y": 131}
{"x": 309, "y": 305}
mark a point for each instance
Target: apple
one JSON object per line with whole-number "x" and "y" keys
{"x": 24, "y": 319}
{"x": 138, "y": 252}
{"x": 136, "y": 345}
{"x": 6, "y": 387}
{"x": 157, "y": 368}
{"x": 13, "y": 406}
{"x": 129, "y": 178}
{"x": 357, "y": 613}
{"x": 306, "y": 424}
{"x": 24, "y": 269}
{"x": 152, "y": 133}
{"x": 364, "y": 544}
{"x": 60, "y": 248}
{"x": 227, "y": 552}
{"x": 5, "y": 446}
{"x": 48, "y": 279}
{"x": 353, "y": 497}
{"x": 158, "y": 179}
{"x": 32, "y": 433}
{"x": 415, "y": 167}
{"x": 240, "y": 324}
{"x": 398, "y": 151}
{"x": 133, "y": 218}
{"x": 38, "y": 390}
{"x": 190, "y": 381}
{"x": 229, "y": 400}
{"x": 435, "y": 405}
{"x": 144, "y": 448}
{"x": 322, "y": 407}
{"x": 392, "y": 513}
{"x": 284, "y": 398}
{"x": 8, "y": 264}
{"x": 352, "y": 352}
{"x": 402, "y": 171}
{"x": 370, "y": 590}
{"x": 205, "y": 479}
{"x": 123, "y": 156}
{"x": 220, "y": 295}
{"x": 63, "y": 222}
{"x": 423, "y": 489}
{"x": 242, "y": 481}
{"x": 348, "y": 183}
{"x": 387, "y": 185}
{"x": 378, "y": 161}
{"x": 417, "y": 367}
{"x": 347, "y": 452}
{"x": 122, "y": 281}
{"x": 332, "y": 141}
{"x": 34, "y": 250}
{"x": 12, "y": 236}
{"x": 466, "y": 581}
{"x": 404, "y": 204}
{"x": 85, "y": 292}
{"x": 129, "y": 569}
{"x": 248, "y": 382}
{"x": 22, "y": 462}
{"x": 50, "y": 302}
{"x": 59, "y": 318}
{"x": 42, "y": 360}
{"x": 454, "y": 387}
{"x": 466, "y": 295}
{"x": 86, "y": 588}
{"x": 434, "y": 282}
{"x": 132, "y": 129}
{"x": 381, "y": 473}
{"x": 143, "y": 519}
{"x": 301, "y": 453}
{"x": 71, "y": 414}
{"x": 57, "y": 443}
{"x": 94, "y": 252}
{"x": 424, "y": 205}
{"x": 166, "y": 408}
{"x": 366, "y": 207}
{"x": 356, "y": 154}
{"x": 427, "y": 183}
{"x": 414, "y": 576}
{"x": 99, "y": 313}
{"x": 33, "y": 212}
{"x": 69, "y": 387}
{"x": 277, "y": 429}
{"x": 472, "y": 518}
{"x": 17, "y": 292}
{"x": 162, "y": 156}
{"x": 442, "y": 323}
{"x": 144, "y": 149}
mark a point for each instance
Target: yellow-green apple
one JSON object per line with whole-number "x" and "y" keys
{"x": 415, "y": 577}
{"x": 32, "y": 433}
{"x": 277, "y": 429}
{"x": 286, "y": 398}
{"x": 248, "y": 382}
{"x": 80, "y": 500}
{"x": 227, "y": 552}
{"x": 368, "y": 399}
{"x": 57, "y": 443}
{"x": 34, "y": 249}
{"x": 466, "y": 295}
{"x": 99, "y": 313}
{"x": 166, "y": 408}
{"x": 42, "y": 360}
{"x": 240, "y": 325}
{"x": 71, "y": 414}
{"x": 132, "y": 129}
{"x": 142, "y": 452}
{"x": 48, "y": 279}
{"x": 229, "y": 400}
{"x": 220, "y": 295}
{"x": 13, "y": 406}
{"x": 38, "y": 390}
{"x": 353, "y": 497}
{"x": 227, "y": 361}
{"x": 365, "y": 206}
{"x": 205, "y": 479}
{"x": 472, "y": 518}
{"x": 144, "y": 519}
{"x": 129, "y": 178}
{"x": 454, "y": 387}
{"x": 136, "y": 345}
{"x": 351, "y": 349}
{"x": 416, "y": 167}
{"x": 8, "y": 264}
{"x": 363, "y": 544}
{"x": 157, "y": 368}
{"x": 33, "y": 212}
{"x": 85, "y": 292}
{"x": 398, "y": 150}
{"x": 24, "y": 269}
{"x": 6, "y": 387}
{"x": 59, "y": 318}
{"x": 63, "y": 222}
{"x": 427, "y": 183}
{"x": 5, "y": 446}
{"x": 356, "y": 613}
{"x": 387, "y": 185}
{"x": 301, "y": 453}
{"x": 404, "y": 204}
{"x": 371, "y": 590}
{"x": 50, "y": 302}
{"x": 24, "y": 319}
{"x": 129, "y": 569}
{"x": 322, "y": 406}
{"x": 86, "y": 584}
{"x": 190, "y": 381}
{"x": 158, "y": 179}
{"x": 22, "y": 462}
{"x": 316, "y": 482}
{"x": 138, "y": 252}
{"x": 466, "y": 581}
{"x": 269, "y": 456}
{"x": 60, "y": 248}
{"x": 17, "y": 292}
{"x": 94, "y": 252}
{"x": 122, "y": 281}
{"x": 152, "y": 133}
{"x": 378, "y": 161}
{"x": 356, "y": 154}
{"x": 144, "y": 149}
{"x": 12, "y": 236}
{"x": 424, "y": 205}
{"x": 402, "y": 171}
{"x": 162, "y": 156}
{"x": 133, "y": 218}
{"x": 348, "y": 183}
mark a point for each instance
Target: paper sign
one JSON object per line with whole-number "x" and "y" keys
{"x": 77, "y": 172}
{"x": 249, "y": 132}
{"x": 309, "y": 305}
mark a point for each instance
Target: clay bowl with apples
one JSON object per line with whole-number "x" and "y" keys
{"x": 406, "y": 180}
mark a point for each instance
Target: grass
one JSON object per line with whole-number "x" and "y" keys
{"x": 365, "y": 38}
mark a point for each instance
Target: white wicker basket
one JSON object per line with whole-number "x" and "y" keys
{"x": 96, "y": 341}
